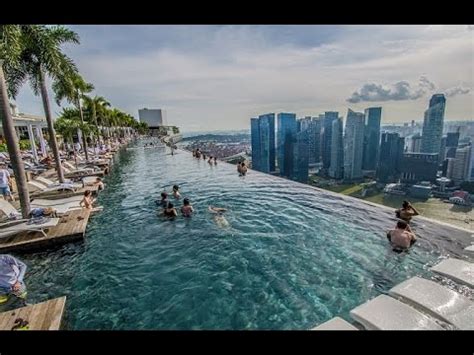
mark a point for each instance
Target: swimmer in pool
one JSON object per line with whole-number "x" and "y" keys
{"x": 407, "y": 212}
{"x": 219, "y": 216}
{"x": 164, "y": 200}
{"x": 176, "y": 193}
{"x": 402, "y": 237}
{"x": 170, "y": 211}
{"x": 187, "y": 209}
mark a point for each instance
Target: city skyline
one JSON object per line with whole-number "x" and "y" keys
{"x": 218, "y": 76}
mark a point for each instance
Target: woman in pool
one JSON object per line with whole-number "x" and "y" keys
{"x": 176, "y": 193}
{"x": 164, "y": 200}
{"x": 407, "y": 212}
{"x": 187, "y": 209}
{"x": 170, "y": 211}
{"x": 219, "y": 216}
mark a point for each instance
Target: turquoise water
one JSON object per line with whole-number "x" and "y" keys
{"x": 291, "y": 258}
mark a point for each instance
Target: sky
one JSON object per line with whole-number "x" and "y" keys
{"x": 218, "y": 77}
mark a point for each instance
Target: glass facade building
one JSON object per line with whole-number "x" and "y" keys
{"x": 336, "y": 168}
{"x": 390, "y": 157}
{"x": 286, "y": 138}
{"x": 373, "y": 118}
{"x": 263, "y": 142}
{"x": 353, "y": 145}
{"x": 433, "y": 125}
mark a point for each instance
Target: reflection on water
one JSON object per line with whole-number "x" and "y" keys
{"x": 290, "y": 258}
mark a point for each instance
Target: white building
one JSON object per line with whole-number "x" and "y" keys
{"x": 353, "y": 145}
{"x": 153, "y": 117}
{"x": 461, "y": 166}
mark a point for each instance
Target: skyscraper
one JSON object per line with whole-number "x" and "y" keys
{"x": 442, "y": 150}
{"x": 461, "y": 170}
{"x": 300, "y": 157}
{"x": 452, "y": 141}
{"x": 391, "y": 153}
{"x": 373, "y": 117}
{"x": 329, "y": 118}
{"x": 314, "y": 141}
{"x": 287, "y": 128}
{"x": 263, "y": 143}
{"x": 433, "y": 125}
{"x": 353, "y": 145}
{"x": 336, "y": 169}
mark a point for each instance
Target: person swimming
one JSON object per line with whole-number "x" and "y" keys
{"x": 187, "y": 209}
{"x": 215, "y": 160}
{"x": 210, "y": 160}
{"x": 219, "y": 218}
{"x": 243, "y": 169}
{"x": 176, "y": 193}
{"x": 170, "y": 211}
{"x": 407, "y": 212}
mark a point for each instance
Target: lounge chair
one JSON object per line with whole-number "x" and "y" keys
{"x": 459, "y": 270}
{"x": 436, "y": 300}
{"x": 9, "y": 210}
{"x": 36, "y": 185}
{"x": 387, "y": 313}
{"x": 335, "y": 323}
{"x": 14, "y": 227}
{"x": 51, "y": 183}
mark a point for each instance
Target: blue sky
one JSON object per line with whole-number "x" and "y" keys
{"x": 218, "y": 77}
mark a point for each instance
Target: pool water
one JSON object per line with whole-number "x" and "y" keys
{"x": 291, "y": 258}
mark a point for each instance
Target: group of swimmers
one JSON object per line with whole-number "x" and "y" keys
{"x": 187, "y": 209}
{"x": 402, "y": 236}
{"x": 197, "y": 153}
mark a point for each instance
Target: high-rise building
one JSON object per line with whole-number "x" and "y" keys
{"x": 390, "y": 157}
{"x": 314, "y": 141}
{"x": 329, "y": 118}
{"x": 336, "y": 169}
{"x": 442, "y": 151}
{"x": 263, "y": 143}
{"x": 153, "y": 117}
{"x": 417, "y": 167}
{"x": 373, "y": 117}
{"x": 353, "y": 145}
{"x": 433, "y": 125}
{"x": 300, "y": 157}
{"x": 452, "y": 141}
{"x": 461, "y": 169}
{"x": 287, "y": 128}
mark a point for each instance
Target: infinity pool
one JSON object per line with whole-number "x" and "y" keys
{"x": 292, "y": 257}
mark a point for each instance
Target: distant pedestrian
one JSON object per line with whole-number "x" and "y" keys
{"x": 5, "y": 182}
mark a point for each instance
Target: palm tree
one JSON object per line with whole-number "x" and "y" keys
{"x": 72, "y": 88}
{"x": 97, "y": 107}
{"x": 41, "y": 57}
{"x": 10, "y": 49}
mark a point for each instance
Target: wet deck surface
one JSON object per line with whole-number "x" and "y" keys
{"x": 41, "y": 316}
{"x": 72, "y": 226}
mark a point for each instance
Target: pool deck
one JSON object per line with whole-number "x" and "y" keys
{"x": 71, "y": 227}
{"x": 46, "y": 315}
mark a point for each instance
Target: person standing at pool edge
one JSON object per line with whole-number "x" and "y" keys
{"x": 5, "y": 181}
{"x": 12, "y": 272}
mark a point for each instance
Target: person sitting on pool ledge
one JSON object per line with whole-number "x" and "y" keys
{"x": 87, "y": 201}
{"x": 402, "y": 237}
{"x": 170, "y": 211}
{"x": 187, "y": 209}
{"x": 407, "y": 212}
{"x": 176, "y": 193}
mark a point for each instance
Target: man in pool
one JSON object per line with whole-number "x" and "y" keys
{"x": 402, "y": 237}
{"x": 170, "y": 211}
{"x": 164, "y": 200}
{"x": 12, "y": 272}
{"x": 219, "y": 216}
{"x": 407, "y": 212}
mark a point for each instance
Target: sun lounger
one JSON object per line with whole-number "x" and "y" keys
{"x": 386, "y": 313}
{"x": 9, "y": 210}
{"x": 7, "y": 229}
{"x": 51, "y": 183}
{"x": 436, "y": 300}
{"x": 335, "y": 323}
{"x": 459, "y": 270}
{"x": 36, "y": 185}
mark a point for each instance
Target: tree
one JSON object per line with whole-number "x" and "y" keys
{"x": 10, "y": 49}
{"x": 41, "y": 56}
{"x": 72, "y": 87}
